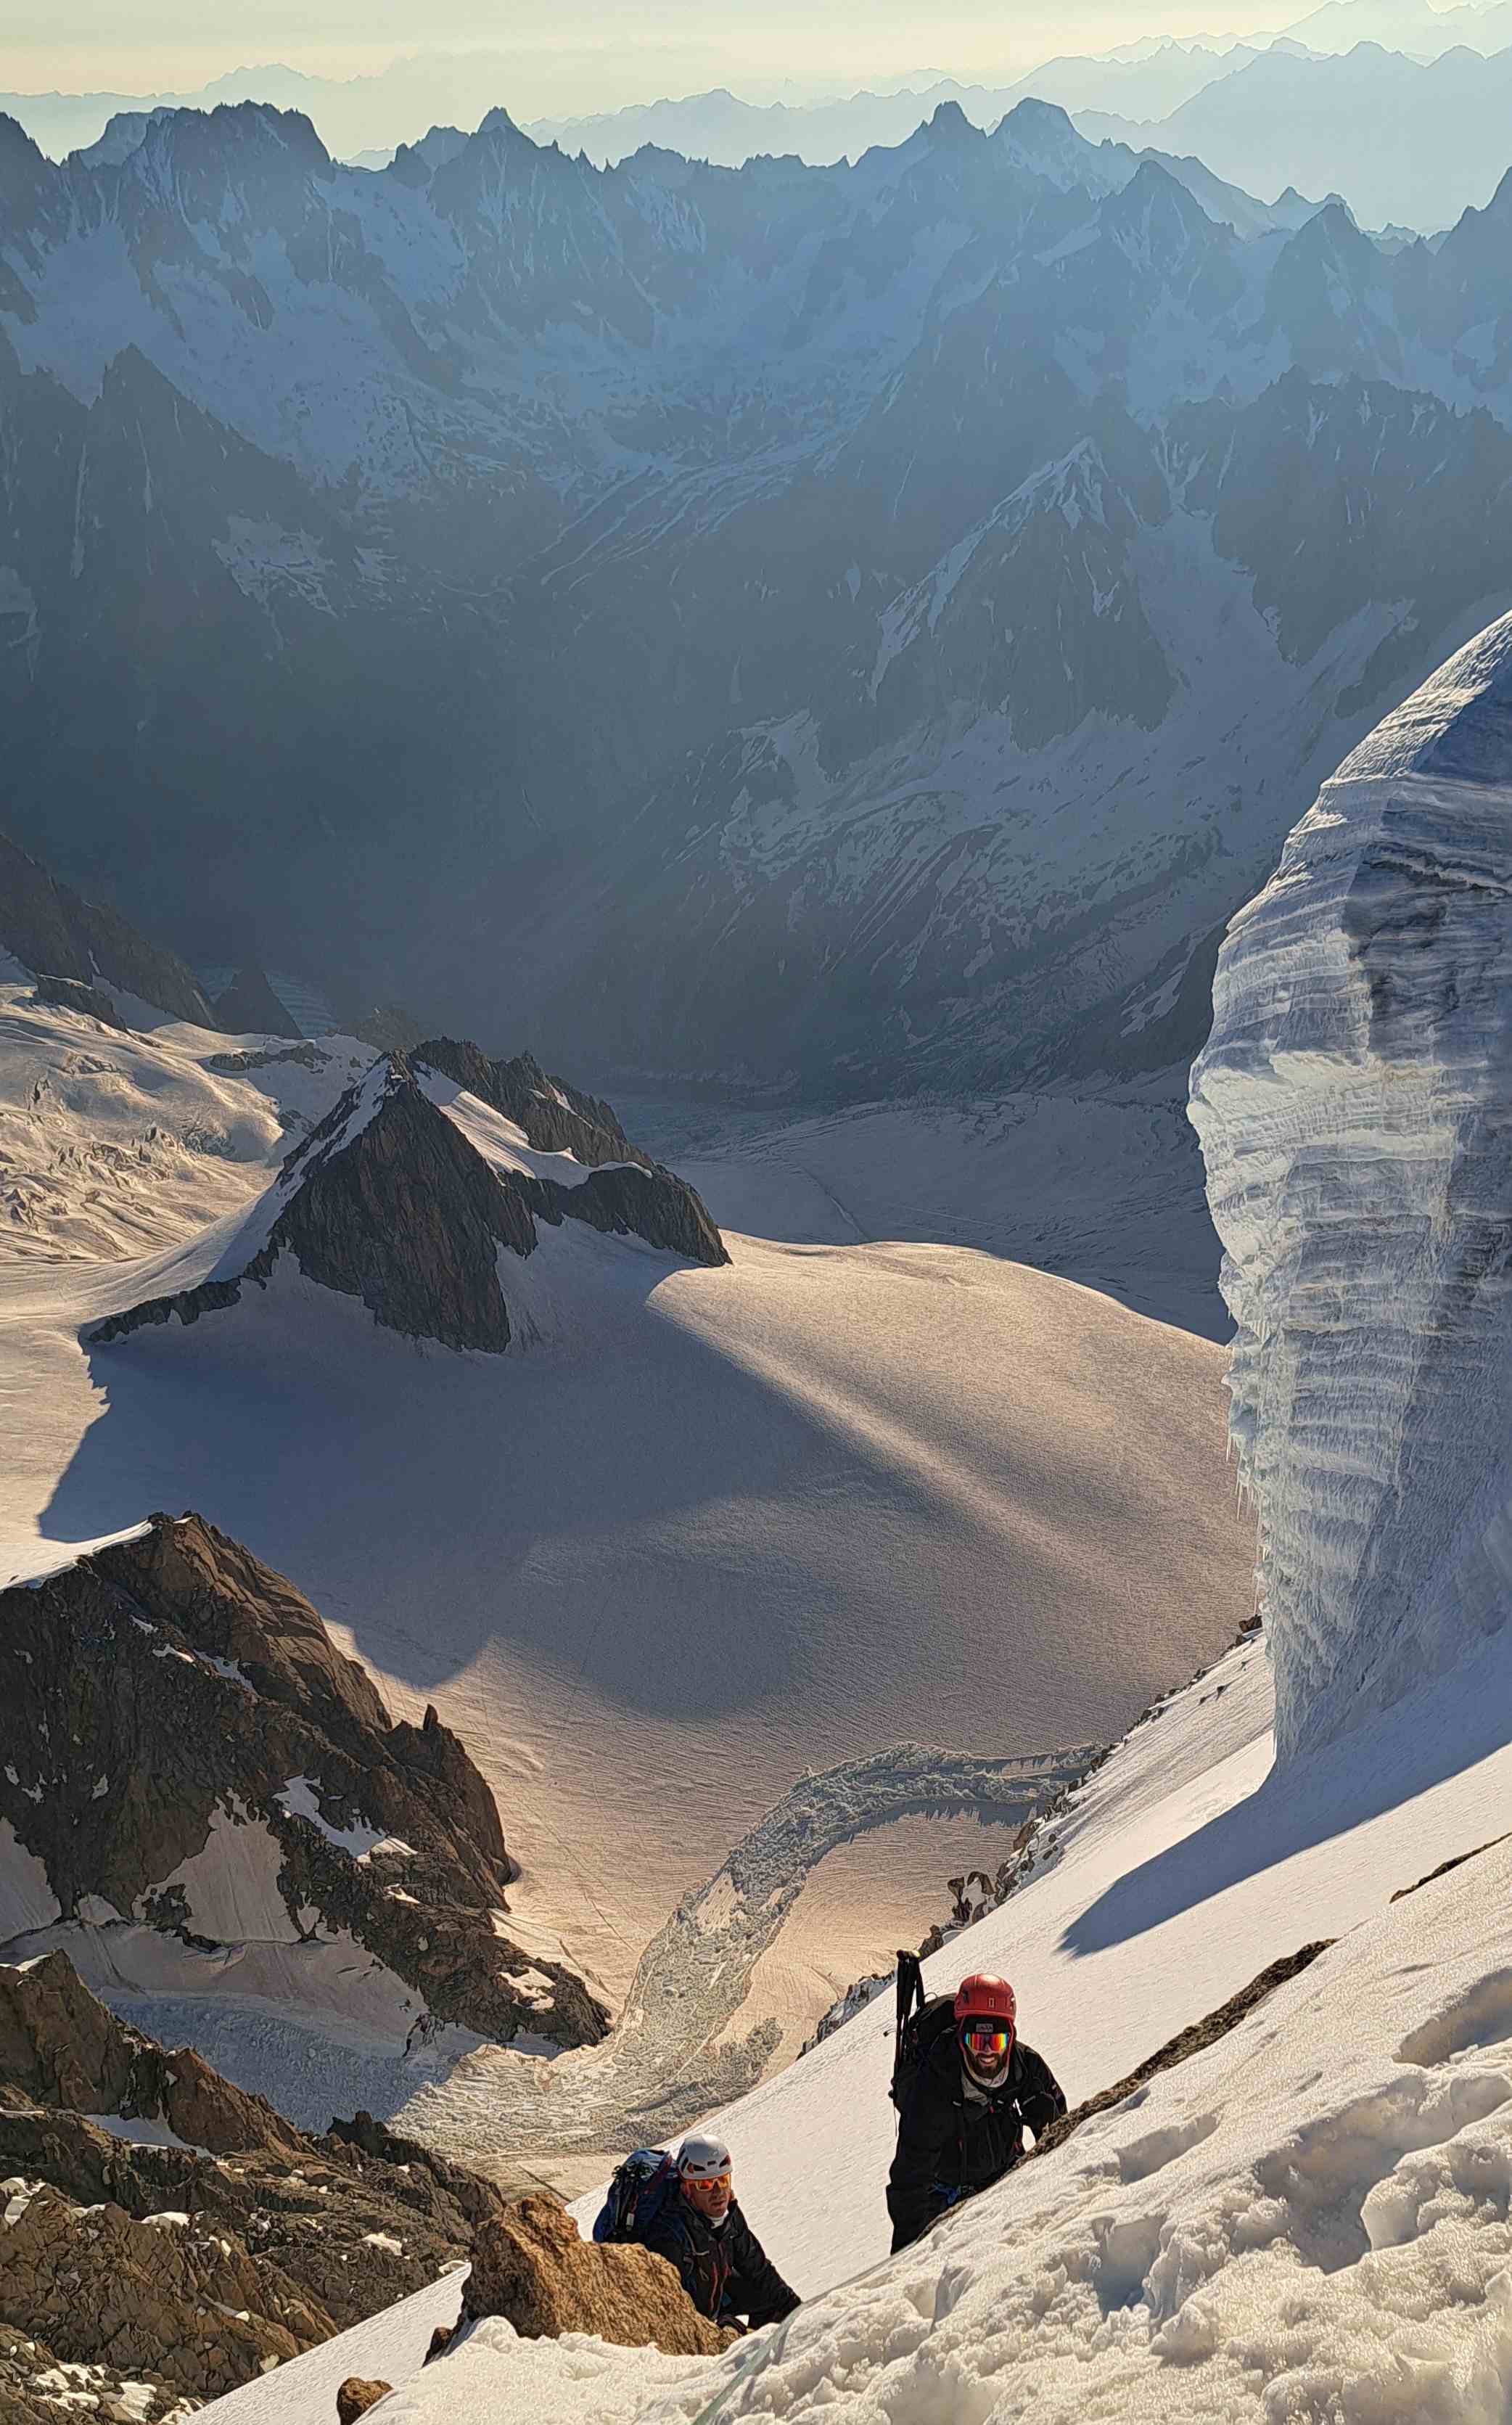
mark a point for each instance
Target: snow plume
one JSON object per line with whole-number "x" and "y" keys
{"x": 1353, "y": 1109}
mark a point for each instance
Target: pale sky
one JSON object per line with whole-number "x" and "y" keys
{"x": 584, "y": 53}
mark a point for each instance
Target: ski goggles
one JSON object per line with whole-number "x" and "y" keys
{"x": 987, "y": 2044}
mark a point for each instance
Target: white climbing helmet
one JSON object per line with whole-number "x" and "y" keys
{"x": 702, "y": 2159}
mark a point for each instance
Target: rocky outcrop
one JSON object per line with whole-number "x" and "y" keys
{"x": 101, "y": 2286}
{"x": 187, "y": 2265}
{"x": 555, "y": 1117}
{"x": 60, "y": 2047}
{"x": 355, "y": 2397}
{"x": 652, "y": 1204}
{"x": 250, "y": 1006}
{"x": 530, "y": 2266}
{"x": 70, "y": 993}
{"x": 50, "y": 930}
{"x": 389, "y": 1201}
{"x": 169, "y": 1693}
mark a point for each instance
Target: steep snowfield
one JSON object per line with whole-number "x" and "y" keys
{"x": 1309, "y": 2220}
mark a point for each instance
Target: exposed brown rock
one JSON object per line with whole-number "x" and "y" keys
{"x": 653, "y": 1204}
{"x": 388, "y": 1027}
{"x": 1455, "y": 1862}
{"x": 307, "y": 2236}
{"x": 99, "y": 2286}
{"x": 530, "y": 2266}
{"x": 195, "y": 1681}
{"x": 60, "y": 2047}
{"x": 34, "y": 2391}
{"x": 355, "y": 2397}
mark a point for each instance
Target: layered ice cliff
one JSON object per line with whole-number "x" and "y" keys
{"x": 1355, "y": 1109}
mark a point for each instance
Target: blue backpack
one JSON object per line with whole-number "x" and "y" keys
{"x": 636, "y": 2194}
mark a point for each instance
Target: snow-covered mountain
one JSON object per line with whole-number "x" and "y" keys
{"x": 1265, "y": 1943}
{"x": 390, "y": 1202}
{"x": 612, "y": 605}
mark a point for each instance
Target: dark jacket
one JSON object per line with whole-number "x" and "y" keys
{"x": 951, "y": 2143}
{"x": 726, "y": 2272}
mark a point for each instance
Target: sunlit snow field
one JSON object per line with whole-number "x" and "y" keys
{"x": 710, "y": 1529}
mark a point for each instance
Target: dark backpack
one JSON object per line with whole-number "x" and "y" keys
{"x": 922, "y": 2022}
{"x": 638, "y": 2193}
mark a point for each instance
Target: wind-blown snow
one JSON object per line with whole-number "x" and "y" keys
{"x": 1352, "y": 1105}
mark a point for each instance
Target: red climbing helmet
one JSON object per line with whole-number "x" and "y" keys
{"x": 984, "y": 1998}
{"x": 986, "y": 2010}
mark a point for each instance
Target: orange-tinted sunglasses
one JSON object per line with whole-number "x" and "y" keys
{"x": 706, "y": 2181}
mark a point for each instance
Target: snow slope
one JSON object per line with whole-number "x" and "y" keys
{"x": 1306, "y": 2222}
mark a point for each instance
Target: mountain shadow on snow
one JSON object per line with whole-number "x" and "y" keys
{"x": 389, "y": 1201}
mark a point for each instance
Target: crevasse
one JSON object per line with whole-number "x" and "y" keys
{"x": 1354, "y": 1105}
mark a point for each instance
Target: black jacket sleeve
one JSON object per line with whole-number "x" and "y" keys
{"x": 666, "y": 2237}
{"x": 928, "y": 2125}
{"x": 756, "y": 2290}
{"x": 1041, "y": 2098}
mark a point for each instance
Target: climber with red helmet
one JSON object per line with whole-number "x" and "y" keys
{"x": 966, "y": 2087}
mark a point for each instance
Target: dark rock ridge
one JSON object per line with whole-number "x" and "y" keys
{"x": 250, "y": 1006}
{"x": 189, "y": 2267}
{"x": 172, "y": 1685}
{"x": 555, "y": 1117}
{"x": 50, "y": 930}
{"x": 70, "y": 993}
{"x": 387, "y": 1201}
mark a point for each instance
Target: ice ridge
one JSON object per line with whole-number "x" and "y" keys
{"x": 1354, "y": 1105}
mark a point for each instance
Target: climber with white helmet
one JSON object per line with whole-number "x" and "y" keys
{"x": 702, "y": 2233}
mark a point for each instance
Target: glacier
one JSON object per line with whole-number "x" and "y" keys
{"x": 1354, "y": 1110}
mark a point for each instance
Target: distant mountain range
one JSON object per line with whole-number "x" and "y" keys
{"x": 364, "y": 118}
{"x": 1405, "y": 142}
{"x": 832, "y": 628}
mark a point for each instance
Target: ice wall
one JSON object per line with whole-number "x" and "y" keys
{"x": 1355, "y": 1110}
